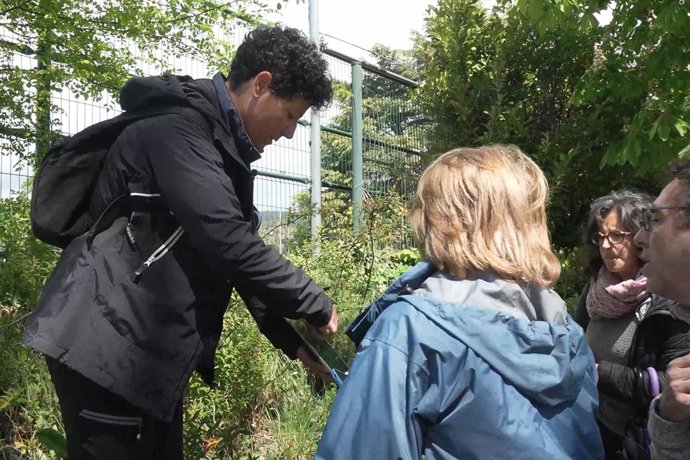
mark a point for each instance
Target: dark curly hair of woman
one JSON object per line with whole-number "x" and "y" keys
{"x": 297, "y": 66}
{"x": 628, "y": 204}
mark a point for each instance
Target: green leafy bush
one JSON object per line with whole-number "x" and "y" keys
{"x": 27, "y": 403}
{"x": 218, "y": 420}
{"x": 572, "y": 278}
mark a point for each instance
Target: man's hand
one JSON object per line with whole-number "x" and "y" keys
{"x": 331, "y": 327}
{"x": 312, "y": 364}
{"x": 674, "y": 404}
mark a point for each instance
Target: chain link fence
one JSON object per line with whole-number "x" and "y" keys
{"x": 391, "y": 140}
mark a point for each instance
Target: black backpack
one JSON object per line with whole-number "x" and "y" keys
{"x": 69, "y": 172}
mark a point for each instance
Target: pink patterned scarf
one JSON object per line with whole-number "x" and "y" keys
{"x": 608, "y": 297}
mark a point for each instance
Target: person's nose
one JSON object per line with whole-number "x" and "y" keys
{"x": 289, "y": 130}
{"x": 605, "y": 242}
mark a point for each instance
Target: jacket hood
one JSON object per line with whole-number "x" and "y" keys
{"x": 522, "y": 332}
{"x": 487, "y": 291}
{"x": 545, "y": 361}
{"x": 147, "y": 92}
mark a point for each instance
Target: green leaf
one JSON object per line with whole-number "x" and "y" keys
{"x": 653, "y": 129}
{"x": 637, "y": 150}
{"x": 664, "y": 129}
{"x": 53, "y": 440}
{"x": 684, "y": 151}
{"x": 680, "y": 125}
{"x": 535, "y": 11}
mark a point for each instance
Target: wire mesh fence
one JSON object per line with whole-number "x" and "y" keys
{"x": 391, "y": 141}
{"x": 392, "y": 137}
{"x": 14, "y": 171}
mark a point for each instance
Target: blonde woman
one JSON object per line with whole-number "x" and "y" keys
{"x": 470, "y": 354}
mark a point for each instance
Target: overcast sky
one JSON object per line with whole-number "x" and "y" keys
{"x": 361, "y": 22}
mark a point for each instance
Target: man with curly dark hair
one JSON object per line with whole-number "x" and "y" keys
{"x": 295, "y": 67}
{"x": 276, "y": 72}
{"x": 133, "y": 309}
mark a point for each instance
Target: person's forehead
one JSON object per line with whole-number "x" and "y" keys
{"x": 669, "y": 195}
{"x": 292, "y": 100}
{"x": 299, "y": 103}
{"x": 612, "y": 220}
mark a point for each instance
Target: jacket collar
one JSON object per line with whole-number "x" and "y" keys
{"x": 245, "y": 147}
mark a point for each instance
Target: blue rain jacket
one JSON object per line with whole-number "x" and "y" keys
{"x": 437, "y": 379}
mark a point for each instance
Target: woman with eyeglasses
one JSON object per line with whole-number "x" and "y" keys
{"x": 630, "y": 346}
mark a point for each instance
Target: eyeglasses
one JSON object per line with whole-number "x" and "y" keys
{"x": 648, "y": 221}
{"x": 615, "y": 237}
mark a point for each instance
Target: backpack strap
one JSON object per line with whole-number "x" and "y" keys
{"x": 124, "y": 203}
{"x": 121, "y": 206}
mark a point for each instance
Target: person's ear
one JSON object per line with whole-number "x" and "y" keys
{"x": 262, "y": 83}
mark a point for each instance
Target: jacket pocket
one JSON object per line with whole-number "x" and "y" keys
{"x": 110, "y": 436}
{"x": 153, "y": 311}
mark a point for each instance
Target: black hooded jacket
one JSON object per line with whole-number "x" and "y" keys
{"x": 140, "y": 329}
{"x": 662, "y": 335}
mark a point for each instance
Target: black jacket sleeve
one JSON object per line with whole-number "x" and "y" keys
{"x": 275, "y": 328}
{"x": 580, "y": 314}
{"x": 189, "y": 172}
{"x": 667, "y": 339}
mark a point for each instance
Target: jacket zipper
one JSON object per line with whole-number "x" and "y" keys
{"x": 158, "y": 254}
{"x": 113, "y": 420}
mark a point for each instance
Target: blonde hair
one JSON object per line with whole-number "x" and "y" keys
{"x": 485, "y": 209}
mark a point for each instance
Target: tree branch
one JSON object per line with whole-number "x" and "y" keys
{"x": 9, "y": 10}
{"x": 21, "y": 133}
{"x": 18, "y": 47}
